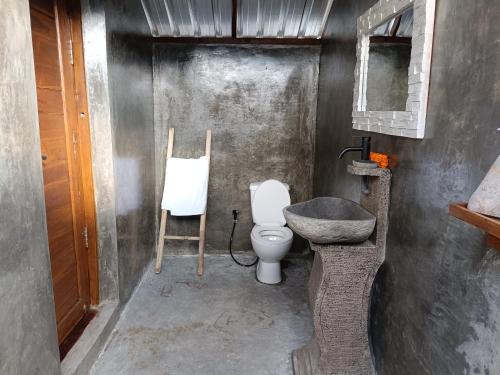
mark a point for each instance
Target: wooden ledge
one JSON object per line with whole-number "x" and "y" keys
{"x": 237, "y": 41}
{"x": 486, "y": 223}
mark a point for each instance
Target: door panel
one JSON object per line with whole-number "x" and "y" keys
{"x": 61, "y": 161}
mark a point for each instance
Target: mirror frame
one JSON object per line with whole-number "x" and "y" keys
{"x": 411, "y": 122}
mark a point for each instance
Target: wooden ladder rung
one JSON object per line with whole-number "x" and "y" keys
{"x": 164, "y": 215}
{"x": 184, "y": 238}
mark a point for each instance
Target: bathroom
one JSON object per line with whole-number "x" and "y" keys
{"x": 279, "y": 108}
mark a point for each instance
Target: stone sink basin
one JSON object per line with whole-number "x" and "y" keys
{"x": 329, "y": 220}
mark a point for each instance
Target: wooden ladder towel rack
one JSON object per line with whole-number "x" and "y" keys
{"x": 164, "y": 215}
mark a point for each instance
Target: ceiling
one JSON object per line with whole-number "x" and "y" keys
{"x": 254, "y": 18}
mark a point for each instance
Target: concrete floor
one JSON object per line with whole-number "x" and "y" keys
{"x": 223, "y": 323}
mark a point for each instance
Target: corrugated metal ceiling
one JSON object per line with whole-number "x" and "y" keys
{"x": 255, "y": 18}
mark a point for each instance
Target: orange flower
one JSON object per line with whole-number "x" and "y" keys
{"x": 381, "y": 159}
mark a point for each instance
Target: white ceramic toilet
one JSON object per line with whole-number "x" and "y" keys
{"x": 271, "y": 240}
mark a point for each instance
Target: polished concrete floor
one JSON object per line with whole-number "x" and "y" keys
{"x": 223, "y": 323}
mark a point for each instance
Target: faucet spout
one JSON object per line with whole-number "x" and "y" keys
{"x": 365, "y": 149}
{"x": 349, "y": 149}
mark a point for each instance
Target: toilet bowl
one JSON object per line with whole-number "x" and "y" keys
{"x": 271, "y": 240}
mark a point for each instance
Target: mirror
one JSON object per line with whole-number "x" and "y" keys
{"x": 388, "y": 63}
{"x": 393, "y": 67}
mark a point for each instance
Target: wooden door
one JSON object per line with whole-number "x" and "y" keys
{"x": 65, "y": 145}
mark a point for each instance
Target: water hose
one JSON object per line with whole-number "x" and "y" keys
{"x": 235, "y": 221}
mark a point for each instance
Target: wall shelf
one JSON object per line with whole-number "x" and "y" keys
{"x": 488, "y": 224}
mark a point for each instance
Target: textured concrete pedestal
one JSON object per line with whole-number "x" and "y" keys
{"x": 339, "y": 293}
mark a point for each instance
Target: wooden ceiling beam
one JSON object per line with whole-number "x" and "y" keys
{"x": 234, "y": 19}
{"x": 260, "y": 41}
{"x": 390, "y": 39}
{"x": 395, "y": 26}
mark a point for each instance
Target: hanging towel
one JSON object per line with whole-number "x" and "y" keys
{"x": 186, "y": 185}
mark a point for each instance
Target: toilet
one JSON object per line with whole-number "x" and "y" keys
{"x": 271, "y": 240}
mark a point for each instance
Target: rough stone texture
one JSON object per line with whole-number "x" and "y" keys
{"x": 28, "y": 340}
{"x": 436, "y": 300}
{"x": 131, "y": 99}
{"x": 261, "y": 105}
{"x": 328, "y": 220}
{"x": 225, "y": 323}
{"x": 486, "y": 198}
{"x": 340, "y": 291}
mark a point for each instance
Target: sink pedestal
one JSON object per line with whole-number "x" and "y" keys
{"x": 339, "y": 293}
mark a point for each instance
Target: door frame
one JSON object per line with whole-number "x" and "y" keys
{"x": 69, "y": 27}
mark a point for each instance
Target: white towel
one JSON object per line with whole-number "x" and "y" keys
{"x": 186, "y": 185}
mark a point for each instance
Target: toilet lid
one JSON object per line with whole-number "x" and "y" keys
{"x": 269, "y": 200}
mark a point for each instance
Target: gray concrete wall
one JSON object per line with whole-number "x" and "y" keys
{"x": 437, "y": 298}
{"x": 96, "y": 71}
{"x": 131, "y": 98}
{"x": 28, "y": 340}
{"x": 387, "y": 79}
{"x": 118, "y": 63}
{"x": 260, "y": 103}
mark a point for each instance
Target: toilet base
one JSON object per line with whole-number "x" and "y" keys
{"x": 268, "y": 272}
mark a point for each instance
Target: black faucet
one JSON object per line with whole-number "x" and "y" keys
{"x": 365, "y": 157}
{"x": 365, "y": 149}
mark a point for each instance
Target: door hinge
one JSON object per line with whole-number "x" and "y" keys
{"x": 85, "y": 234}
{"x": 70, "y": 45}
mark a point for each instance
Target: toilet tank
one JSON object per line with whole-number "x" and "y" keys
{"x": 253, "y": 188}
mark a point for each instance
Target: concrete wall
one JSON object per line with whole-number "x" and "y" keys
{"x": 118, "y": 63}
{"x": 96, "y": 72}
{"x": 260, "y": 103}
{"x": 121, "y": 108}
{"x": 387, "y": 79}
{"x": 437, "y": 298}
{"x": 131, "y": 98}
{"x": 28, "y": 340}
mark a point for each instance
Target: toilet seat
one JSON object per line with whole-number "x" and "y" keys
{"x": 270, "y": 198}
{"x": 270, "y": 235}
